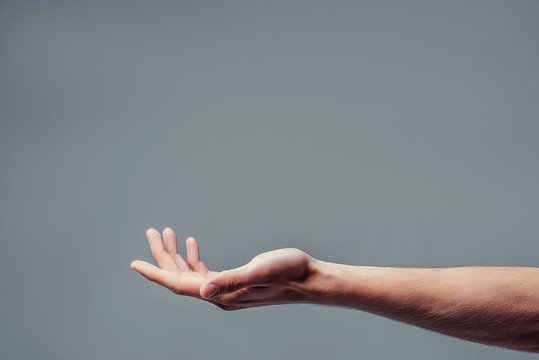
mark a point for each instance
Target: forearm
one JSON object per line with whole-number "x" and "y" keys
{"x": 491, "y": 305}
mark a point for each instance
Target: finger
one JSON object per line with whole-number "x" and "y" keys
{"x": 171, "y": 246}
{"x": 178, "y": 284}
{"x": 170, "y": 241}
{"x": 163, "y": 258}
{"x": 229, "y": 281}
{"x": 155, "y": 274}
{"x": 193, "y": 256}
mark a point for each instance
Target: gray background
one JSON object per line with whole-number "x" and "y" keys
{"x": 383, "y": 133}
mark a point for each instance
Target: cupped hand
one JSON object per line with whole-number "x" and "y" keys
{"x": 270, "y": 278}
{"x": 174, "y": 273}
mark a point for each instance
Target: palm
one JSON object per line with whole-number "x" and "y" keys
{"x": 181, "y": 277}
{"x": 265, "y": 280}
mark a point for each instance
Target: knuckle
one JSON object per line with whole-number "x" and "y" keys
{"x": 157, "y": 253}
{"x": 192, "y": 262}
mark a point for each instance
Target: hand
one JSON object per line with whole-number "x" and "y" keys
{"x": 173, "y": 272}
{"x": 269, "y": 278}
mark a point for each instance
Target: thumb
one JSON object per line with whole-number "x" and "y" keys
{"x": 228, "y": 281}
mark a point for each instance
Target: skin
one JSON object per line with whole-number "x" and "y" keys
{"x": 490, "y": 305}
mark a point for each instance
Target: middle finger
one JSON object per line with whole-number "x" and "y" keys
{"x": 171, "y": 246}
{"x": 163, "y": 258}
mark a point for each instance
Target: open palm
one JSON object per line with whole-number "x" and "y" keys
{"x": 180, "y": 277}
{"x": 269, "y": 278}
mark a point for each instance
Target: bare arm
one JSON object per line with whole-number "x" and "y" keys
{"x": 490, "y": 305}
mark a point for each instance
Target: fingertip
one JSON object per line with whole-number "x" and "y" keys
{"x": 167, "y": 229}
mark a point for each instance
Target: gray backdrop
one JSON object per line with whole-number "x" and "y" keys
{"x": 383, "y": 133}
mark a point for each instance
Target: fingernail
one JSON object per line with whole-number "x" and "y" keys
{"x": 211, "y": 290}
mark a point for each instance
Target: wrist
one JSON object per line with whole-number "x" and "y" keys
{"x": 325, "y": 283}
{"x": 344, "y": 285}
